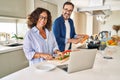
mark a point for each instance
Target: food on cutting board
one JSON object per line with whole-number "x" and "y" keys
{"x": 111, "y": 42}
{"x": 84, "y": 39}
{"x": 66, "y": 55}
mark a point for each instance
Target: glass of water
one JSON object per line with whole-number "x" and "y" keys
{"x": 108, "y": 52}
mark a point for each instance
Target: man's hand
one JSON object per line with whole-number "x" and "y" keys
{"x": 80, "y": 38}
{"x": 75, "y": 41}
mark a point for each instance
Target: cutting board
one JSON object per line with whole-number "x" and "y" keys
{"x": 58, "y": 62}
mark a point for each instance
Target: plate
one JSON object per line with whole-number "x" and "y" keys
{"x": 111, "y": 46}
{"x": 45, "y": 67}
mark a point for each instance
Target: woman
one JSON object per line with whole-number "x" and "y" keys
{"x": 39, "y": 42}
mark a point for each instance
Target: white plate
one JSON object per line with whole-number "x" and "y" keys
{"x": 45, "y": 67}
{"x": 111, "y": 46}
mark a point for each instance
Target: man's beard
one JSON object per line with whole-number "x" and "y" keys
{"x": 66, "y": 15}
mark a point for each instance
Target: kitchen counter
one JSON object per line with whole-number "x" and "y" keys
{"x": 104, "y": 69}
{"x": 4, "y": 49}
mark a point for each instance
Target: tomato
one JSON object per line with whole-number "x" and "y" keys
{"x": 66, "y": 51}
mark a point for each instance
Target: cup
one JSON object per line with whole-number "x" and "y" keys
{"x": 108, "y": 52}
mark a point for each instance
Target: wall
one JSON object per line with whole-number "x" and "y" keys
{"x": 112, "y": 20}
{"x": 96, "y": 26}
{"x": 89, "y": 24}
{"x": 83, "y": 23}
{"x": 93, "y": 26}
{"x": 60, "y": 6}
{"x": 79, "y": 22}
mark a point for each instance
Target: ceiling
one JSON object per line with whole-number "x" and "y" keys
{"x": 89, "y": 3}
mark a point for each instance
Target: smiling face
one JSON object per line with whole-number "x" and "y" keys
{"x": 67, "y": 11}
{"x": 42, "y": 20}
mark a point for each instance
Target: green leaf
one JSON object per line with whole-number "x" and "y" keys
{"x": 16, "y": 37}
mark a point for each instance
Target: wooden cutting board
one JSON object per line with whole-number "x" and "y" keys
{"x": 62, "y": 61}
{"x": 58, "y": 61}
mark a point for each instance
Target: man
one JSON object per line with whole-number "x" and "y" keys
{"x": 63, "y": 28}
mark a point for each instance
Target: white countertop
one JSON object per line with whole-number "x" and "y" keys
{"x": 104, "y": 69}
{"x": 4, "y": 49}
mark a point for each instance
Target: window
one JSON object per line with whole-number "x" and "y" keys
{"x": 11, "y": 26}
{"x": 8, "y": 27}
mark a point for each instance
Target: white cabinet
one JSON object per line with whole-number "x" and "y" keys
{"x": 33, "y": 4}
{"x": 13, "y": 8}
{"x": 12, "y": 61}
{"x": 47, "y": 5}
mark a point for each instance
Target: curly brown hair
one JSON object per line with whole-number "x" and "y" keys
{"x": 34, "y": 16}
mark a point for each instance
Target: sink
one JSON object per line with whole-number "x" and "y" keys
{"x": 14, "y": 44}
{"x": 11, "y": 43}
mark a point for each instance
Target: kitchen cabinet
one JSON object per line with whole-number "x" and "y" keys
{"x": 14, "y": 8}
{"x": 12, "y": 61}
{"x": 33, "y": 4}
{"x": 47, "y": 5}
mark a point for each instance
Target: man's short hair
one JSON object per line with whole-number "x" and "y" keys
{"x": 68, "y": 3}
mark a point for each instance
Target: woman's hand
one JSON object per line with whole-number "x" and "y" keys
{"x": 43, "y": 55}
{"x": 47, "y": 56}
{"x": 60, "y": 54}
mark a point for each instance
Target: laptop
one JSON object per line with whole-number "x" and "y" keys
{"x": 80, "y": 60}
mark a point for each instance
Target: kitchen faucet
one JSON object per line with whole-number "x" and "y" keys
{"x": 4, "y": 37}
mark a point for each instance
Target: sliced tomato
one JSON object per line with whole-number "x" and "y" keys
{"x": 66, "y": 51}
